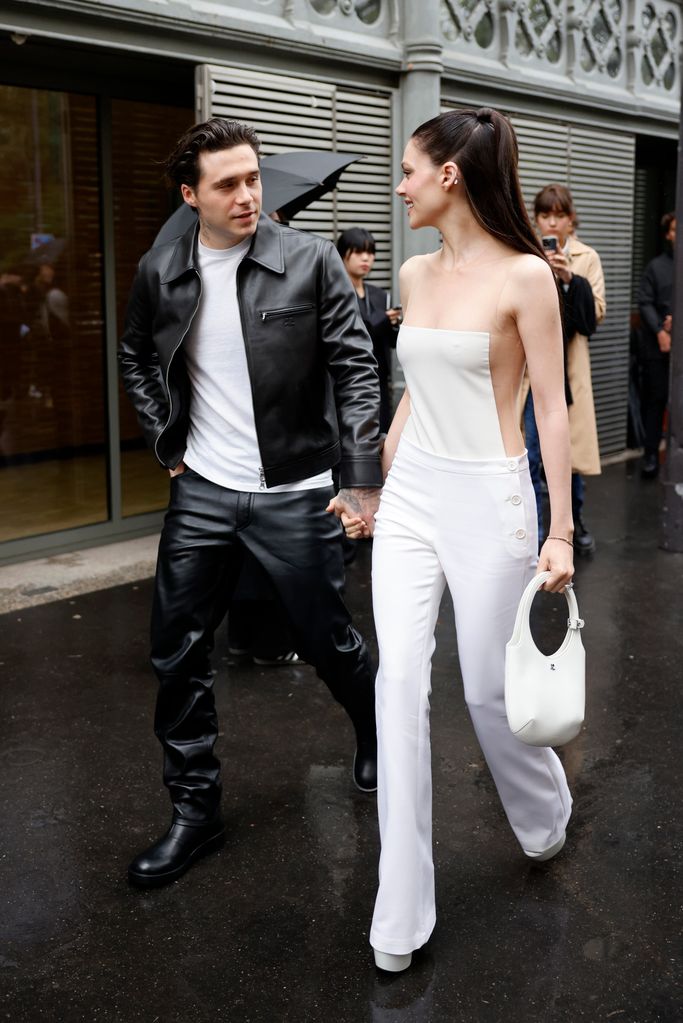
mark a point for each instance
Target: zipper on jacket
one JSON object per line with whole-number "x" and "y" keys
{"x": 168, "y": 370}
{"x": 270, "y": 314}
{"x": 247, "y": 352}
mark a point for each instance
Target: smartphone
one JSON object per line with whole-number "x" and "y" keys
{"x": 549, "y": 242}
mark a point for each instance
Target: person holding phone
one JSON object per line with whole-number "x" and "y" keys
{"x": 578, "y": 271}
{"x": 357, "y": 248}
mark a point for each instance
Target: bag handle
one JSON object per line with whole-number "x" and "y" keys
{"x": 523, "y": 611}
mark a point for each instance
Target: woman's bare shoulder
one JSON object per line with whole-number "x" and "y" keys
{"x": 412, "y": 267}
{"x": 528, "y": 271}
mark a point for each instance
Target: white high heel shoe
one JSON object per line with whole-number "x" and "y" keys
{"x": 547, "y": 854}
{"x": 392, "y": 963}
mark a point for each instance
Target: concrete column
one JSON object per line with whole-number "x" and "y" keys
{"x": 420, "y": 99}
{"x": 671, "y": 517}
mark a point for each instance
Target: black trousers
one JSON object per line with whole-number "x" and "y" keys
{"x": 654, "y": 395}
{"x": 299, "y": 546}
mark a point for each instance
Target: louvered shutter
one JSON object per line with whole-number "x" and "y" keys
{"x": 599, "y": 169}
{"x": 601, "y": 177}
{"x": 295, "y": 113}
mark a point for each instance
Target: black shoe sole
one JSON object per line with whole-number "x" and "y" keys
{"x": 158, "y": 880}
{"x": 583, "y": 552}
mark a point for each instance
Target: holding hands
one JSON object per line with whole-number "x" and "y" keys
{"x": 356, "y": 507}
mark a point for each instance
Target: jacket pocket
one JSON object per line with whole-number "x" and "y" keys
{"x": 271, "y": 314}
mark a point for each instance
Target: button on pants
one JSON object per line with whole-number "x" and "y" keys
{"x": 471, "y": 525}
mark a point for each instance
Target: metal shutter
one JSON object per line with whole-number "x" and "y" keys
{"x": 601, "y": 177}
{"x": 295, "y": 113}
{"x": 599, "y": 169}
{"x": 640, "y": 193}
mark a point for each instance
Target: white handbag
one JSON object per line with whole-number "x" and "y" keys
{"x": 545, "y": 696}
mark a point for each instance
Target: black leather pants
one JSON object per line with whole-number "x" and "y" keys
{"x": 206, "y": 530}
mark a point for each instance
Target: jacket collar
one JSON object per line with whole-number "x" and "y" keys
{"x": 266, "y": 250}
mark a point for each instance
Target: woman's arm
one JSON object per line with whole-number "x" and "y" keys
{"x": 356, "y": 528}
{"x": 395, "y": 431}
{"x": 537, "y": 313}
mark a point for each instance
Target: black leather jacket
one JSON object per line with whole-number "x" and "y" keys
{"x": 312, "y": 371}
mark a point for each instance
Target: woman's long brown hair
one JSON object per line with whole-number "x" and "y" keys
{"x": 484, "y": 146}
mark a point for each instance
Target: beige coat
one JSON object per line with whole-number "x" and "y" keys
{"x": 583, "y": 431}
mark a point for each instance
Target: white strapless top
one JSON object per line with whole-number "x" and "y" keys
{"x": 452, "y": 405}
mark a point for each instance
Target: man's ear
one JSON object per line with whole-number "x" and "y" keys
{"x": 188, "y": 195}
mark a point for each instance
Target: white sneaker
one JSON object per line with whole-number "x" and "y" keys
{"x": 392, "y": 963}
{"x": 547, "y": 854}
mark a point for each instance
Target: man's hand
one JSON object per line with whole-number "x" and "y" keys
{"x": 394, "y": 316}
{"x": 668, "y": 323}
{"x": 356, "y": 507}
{"x": 560, "y": 265}
{"x": 664, "y": 340}
{"x": 178, "y": 471}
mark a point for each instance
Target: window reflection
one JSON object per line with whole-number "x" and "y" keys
{"x": 52, "y": 409}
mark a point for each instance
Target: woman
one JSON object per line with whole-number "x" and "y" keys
{"x": 356, "y": 246}
{"x": 578, "y": 270}
{"x": 458, "y": 506}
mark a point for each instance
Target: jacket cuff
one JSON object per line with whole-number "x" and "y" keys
{"x": 360, "y": 472}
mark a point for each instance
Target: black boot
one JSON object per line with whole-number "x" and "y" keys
{"x": 650, "y": 467}
{"x": 584, "y": 542}
{"x": 175, "y": 853}
{"x": 365, "y": 765}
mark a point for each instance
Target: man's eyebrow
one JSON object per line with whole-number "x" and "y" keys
{"x": 231, "y": 181}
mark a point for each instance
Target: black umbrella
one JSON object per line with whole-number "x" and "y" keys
{"x": 324, "y": 166}
{"x": 287, "y": 189}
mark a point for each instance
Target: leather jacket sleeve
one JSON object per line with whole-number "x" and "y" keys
{"x": 354, "y": 374}
{"x": 139, "y": 361}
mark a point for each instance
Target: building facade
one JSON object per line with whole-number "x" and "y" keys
{"x": 94, "y": 92}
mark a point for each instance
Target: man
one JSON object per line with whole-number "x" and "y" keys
{"x": 578, "y": 269}
{"x": 252, "y": 375}
{"x": 655, "y": 304}
{"x": 356, "y": 246}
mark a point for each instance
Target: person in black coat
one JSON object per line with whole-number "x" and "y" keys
{"x": 655, "y": 304}
{"x": 357, "y": 247}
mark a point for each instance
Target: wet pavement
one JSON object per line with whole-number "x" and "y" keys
{"x": 274, "y": 927}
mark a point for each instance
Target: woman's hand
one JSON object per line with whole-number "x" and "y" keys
{"x": 355, "y": 529}
{"x": 556, "y": 557}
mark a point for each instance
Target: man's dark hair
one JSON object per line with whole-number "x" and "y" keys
{"x": 554, "y": 199}
{"x": 666, "y": 221}
{"x": 355, "y": 239}
{"x": 182, "y": 166}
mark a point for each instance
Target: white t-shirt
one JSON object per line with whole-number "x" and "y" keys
{"x": 221, "y": 441}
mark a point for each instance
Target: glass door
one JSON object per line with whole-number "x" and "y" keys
{"x": 53, "y": 461}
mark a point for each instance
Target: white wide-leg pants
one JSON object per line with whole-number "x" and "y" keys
{"x": 472, "y": 525}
